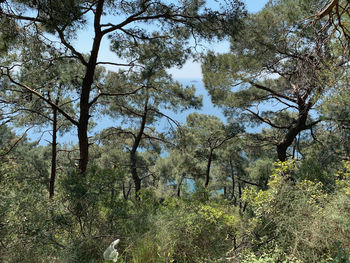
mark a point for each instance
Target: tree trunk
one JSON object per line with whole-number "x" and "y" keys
{"x": 179, "y": 187}
{"x": 282, "y": 151}
{"x": 134, "y": 173}
{"x": 126, "y": 193}
{"x": 83, "y": 148}
{"x": 86, "y": 89}
{"x": 53, "y": 154}
{"x": 293, "y": 132}
{"x": 233, "y": 196}
{"x": 240, "y": 193}
{"x": 133, "y": 157}
{"x": 207, "y": 173}
{"x": 288, "y": 140}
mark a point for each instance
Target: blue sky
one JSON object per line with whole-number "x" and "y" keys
{"x": 254, "y": 5}
{"x": 191, "y": 70}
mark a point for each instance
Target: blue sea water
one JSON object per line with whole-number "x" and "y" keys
{"x": 105, "y": 122}
{"x": 208, "y": 107}
{"x": 102, "y": 122}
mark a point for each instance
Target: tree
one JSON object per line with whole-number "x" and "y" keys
{"x": 174, "y": 170}
{"x": 53, "y": 78}
{"x": 138, "y": 22}
{"x": 156, "y": 91}
{"x": 233, "y": 175}
{"x": 275, "y": 63}
{"x": 201, "y": 137}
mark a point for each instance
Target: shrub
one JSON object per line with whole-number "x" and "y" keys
{"x": 306, "y": 222}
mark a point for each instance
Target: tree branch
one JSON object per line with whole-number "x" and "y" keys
{"x": 327, "y": 9}
{"x": 166, "y": 116}
{"x": 70, "y": 47}
{"x": 15, "y": 144}
{"x": 258, "y": 86}
{"x": 309, "y": 126}
{"x": 38, "y": 94}
{"x": 266, "y": 120}
{"x": 114, "y": 95}
{"x": 247, "y": 182}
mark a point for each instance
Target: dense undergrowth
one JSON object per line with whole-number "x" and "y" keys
{"x": 292, "y": 221}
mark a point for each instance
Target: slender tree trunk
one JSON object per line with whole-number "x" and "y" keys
{"x": 207, "y": 173}
{"x": 53, "y": 154}
{"x": 112, "y": 195}
{"x": 233, "y": 196}
{"x": 134, "y": 173}
{"x": 86, "y": 90}
{"x": 133, "y": 152}
{"x": 83, "y": 147}
{"x": 179, "y": 186}
{"x": 240, "y": 193}
{"x": 126, "y": 193}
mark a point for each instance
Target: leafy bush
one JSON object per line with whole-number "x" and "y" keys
{"x": 185, "y": 231}
{"x": 305, "y": 221}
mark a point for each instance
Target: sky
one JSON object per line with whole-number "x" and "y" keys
{"x": 191, "y": 70}
{"x": 254, "y": 6}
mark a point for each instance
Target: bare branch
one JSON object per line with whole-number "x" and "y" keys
{"x": 131, "y": 64}
{"x": 247, "y": 182}
{"x": 70, "y": 47}
{"x": 259, "y": 86}
{"x": 166, "y": 116}
{"x": 327, "y": 9}
{"x": 114, "y": 94}
{"x": 312, "y": 124}
{"x": 150, "y": 137}
{"x": 38, "y": 94}
{"x": 267, "y": 121}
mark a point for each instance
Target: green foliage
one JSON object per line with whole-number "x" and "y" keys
{"x": 298, "y": 217}
{"x": 26, "y": 216}
{"x": 277, "y": 71}
{"x": 292, "y": 220}
{"x": 260, "y": 171}
{"x": 275, "y": 255}
{"x": 185, "y": 231}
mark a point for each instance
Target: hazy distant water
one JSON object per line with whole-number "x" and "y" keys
{"x": 207, "y": 108}
{"x": 105, "y": 122}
